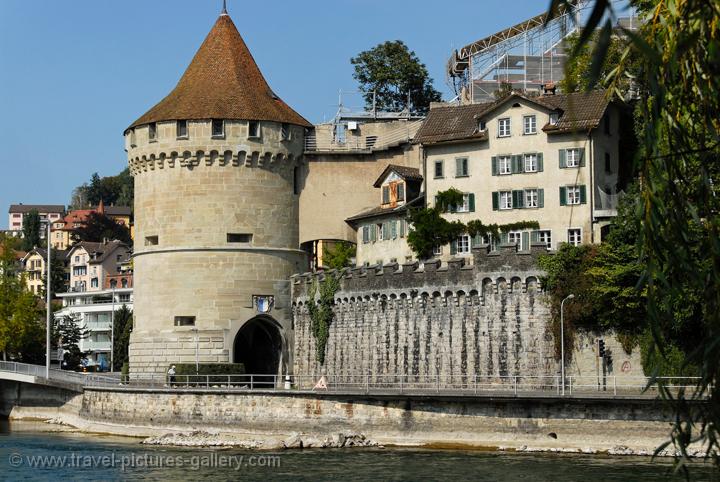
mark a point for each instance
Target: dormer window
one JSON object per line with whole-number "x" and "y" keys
{"x": 182, "y": 129}
{"x": 285, "y": 132}
{"x": 152, "y": 132}
{"x": 482, "y": 126}
{"x": 386, "y": 194}
{"x": 254, "y": 129}
{"x": 554, "y": 116}
{"x": 218, "y": 128}
{"x": 401, "y": 191}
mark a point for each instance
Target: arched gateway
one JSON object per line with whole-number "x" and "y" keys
{"x": 258, "y": 345}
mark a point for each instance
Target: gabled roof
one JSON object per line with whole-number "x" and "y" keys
{"x": 407, "y": 173}
{"x": 577, "y": 112}
{"x": 222, "y": 82}
{"x": 118, "y": 210}
{"x": 100, "y": 250}
{"x": 381, "y": 211}
{"x": 40, "y": 208}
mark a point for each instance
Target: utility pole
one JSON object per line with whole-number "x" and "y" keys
{"x": 48, "y": 308}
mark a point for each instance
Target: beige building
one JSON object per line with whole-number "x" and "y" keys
{"x": 217, "y": 180}
{"x": 553, "y": 159}
{"x": 35, "y": 268}
{"x": 382, "y": 230}
{"x": 342, "y": 160}
{"x": 90, "y": 263}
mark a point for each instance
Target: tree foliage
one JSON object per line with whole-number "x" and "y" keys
{"x": 31, "y": 230}
{"x": 19, "y": 310}
{"x": 122, "y": 327}
{"x": 429, "y": 229}
{"x": 111, "y": 190}
{"x": 98, "y": 227}
{"x": 321, "y": 299}
{"x": 392, "y": 71}
{"x": 57, "y": 275}
{"x": 339, "y": 255}
{"x": 67, "y": 331}
{"x": 679, "y": 237}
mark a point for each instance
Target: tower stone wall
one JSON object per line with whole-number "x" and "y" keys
{"x": 197, "y": 202}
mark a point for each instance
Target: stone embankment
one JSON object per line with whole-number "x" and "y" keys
{"x": 201, "y": 438}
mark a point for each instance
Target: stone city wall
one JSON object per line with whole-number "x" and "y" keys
{"x": 454, "y": 322}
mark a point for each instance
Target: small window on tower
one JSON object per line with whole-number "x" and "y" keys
{"x": 254, "y": 129}
{"x": 218, "y": 128}
{"x": 184, "y": 321}
{"x": 152, "y": 132}
{"x": 151, "y": 240}
{"x": 182, "y": 129}
{"x": 239, "y": 238}
{"x": 285, "y": 132}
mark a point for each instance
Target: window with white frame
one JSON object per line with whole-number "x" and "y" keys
{"x": 465, "y": 206}
{"x": 574, "y": 236}
{"x": 463, "y": 244}
{"x": 554, "y": 116}
{"x": 573, "y": 194}
{"x": 461, "y": 167}
{"x": 514, "y": 237}
{"x": 531, "y": 162}
{"x": 505, "y": 164}
{"x": 505, "y": 199}
{"x": 437, "y": 250}
{"x": 531, "y": 198}
{"x": 381, "y": 232}
{"x": 504, "y": 127}
{"x": 572, "y": 157}
{"x": 529, "y": 125}
{"x": 545, "y": 237}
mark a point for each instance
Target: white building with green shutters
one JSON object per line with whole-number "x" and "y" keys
{"x": 553, "y": 159}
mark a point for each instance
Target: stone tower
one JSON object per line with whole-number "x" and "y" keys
{"x": 216, "y": 215}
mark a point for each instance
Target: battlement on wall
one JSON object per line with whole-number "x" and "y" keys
{"x": 504, "y": 268}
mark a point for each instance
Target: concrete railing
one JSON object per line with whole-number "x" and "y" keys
{"x": 609, "y": 386}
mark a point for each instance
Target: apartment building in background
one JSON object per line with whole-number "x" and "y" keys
{"x": 48, "y": 213}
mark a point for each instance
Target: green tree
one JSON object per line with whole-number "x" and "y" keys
{"x": 339, "y": 255}
{"x": 19, "y": 310}
{"x": 98, "y": 227}
{"x": 31, "y": 230}
{"x": 393, "y": 71}
{"x": 679, "y": 121}
{"x": 122, "y": 328}
{"x": 57, "y": 273}
{"x": 111, "y": 190}
{"x": 67, "y": 333}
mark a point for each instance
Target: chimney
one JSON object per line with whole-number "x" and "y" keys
{"x": 549, "y": 88}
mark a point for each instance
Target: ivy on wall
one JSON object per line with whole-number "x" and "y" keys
{"x": 429, "y": 229}
{"x": 321, "y": 299}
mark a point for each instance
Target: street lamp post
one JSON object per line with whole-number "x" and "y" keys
{"x": 48, "y": 294}
{"x": 112, "y": 333}
{"x": 562, "y": 340}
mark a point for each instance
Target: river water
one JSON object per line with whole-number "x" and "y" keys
{"x": 35, "y": 455}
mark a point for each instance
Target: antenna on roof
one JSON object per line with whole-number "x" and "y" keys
{"x": 224, "y": 10}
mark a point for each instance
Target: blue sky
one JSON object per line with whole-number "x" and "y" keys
{"x": 75, "y": 73}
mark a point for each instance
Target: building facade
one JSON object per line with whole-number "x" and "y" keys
{"x": 552, "y": 159}
{"x": 382, "y": 231}
{"x": 216, "y": 166}
{"x": 90, "y": 263}
{"x": 93, "y": 311}
{"x": 48, "y": 213}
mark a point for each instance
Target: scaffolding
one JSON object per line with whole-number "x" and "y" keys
{"x": 524, "y": 57}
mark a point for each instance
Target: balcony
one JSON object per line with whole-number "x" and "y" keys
{"x": 91, "y": 345}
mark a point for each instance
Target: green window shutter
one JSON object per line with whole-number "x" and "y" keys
{"x": 365, "y": 234}
{"x": 373, "y": 233}
{"x": 517, "y": 199}
{"x": 471, "y": 202}
{"x": 583, "y": 195}
{"x": 385, "y": 194}
{"x": 453, "y": 246}
{"x": 503, "y": 238}
{"x": 402, "y": 228}
{"x": 563, "y": 195}
{"x": 539, "y": 161}
{"x": 525, "y": 241}
{"x": 582, "y": 157}
{"x": 477, "y": 240}
{"x": 458, "y": 167}
{"x": 495, "y": 201}
{"x": 541, "y": 198}
{"x": 494, "y": 162}
{"x": 517, "y": 164}
{"x": 563, "y": 161}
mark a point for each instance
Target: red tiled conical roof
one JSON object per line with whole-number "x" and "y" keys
{"x": 222, "y": 82}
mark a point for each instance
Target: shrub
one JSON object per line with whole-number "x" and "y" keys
{"x": 220, "y": 370}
